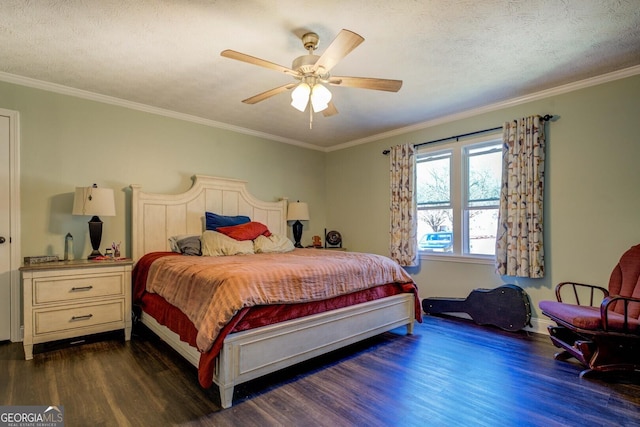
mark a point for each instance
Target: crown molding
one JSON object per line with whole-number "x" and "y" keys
{"x": 92, "y": 96}
{"x": 559, "y": 90}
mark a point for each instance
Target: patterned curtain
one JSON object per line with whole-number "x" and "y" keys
{"x": 519, "y": 246}
{"x": 404, "y": 244}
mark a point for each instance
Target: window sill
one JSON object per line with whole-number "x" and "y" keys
{"x": 467, "y": 259}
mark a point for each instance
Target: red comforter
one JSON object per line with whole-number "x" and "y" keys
{"x": 246, "y": 317}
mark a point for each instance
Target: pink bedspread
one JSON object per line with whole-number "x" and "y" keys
{"x": 211, "y": 290}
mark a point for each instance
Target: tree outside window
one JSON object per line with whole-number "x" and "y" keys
{"x": 459, "y": 216}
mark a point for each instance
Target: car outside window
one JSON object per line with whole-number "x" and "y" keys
{"x": 458, "y": 196}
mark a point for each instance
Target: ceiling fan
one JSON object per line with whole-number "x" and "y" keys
{"x": 312, "y": 71}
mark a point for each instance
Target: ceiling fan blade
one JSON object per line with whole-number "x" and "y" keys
{"x": 367, "y": 83}
{"x": 331, "y": 110}
{"x": 268, "y": 94}
{"x": 256, "y": 61}
{"x": 340, "y": 47}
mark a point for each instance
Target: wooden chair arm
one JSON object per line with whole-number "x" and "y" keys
{"x": 604, "y": 310}
{"x": 575, "y": 286}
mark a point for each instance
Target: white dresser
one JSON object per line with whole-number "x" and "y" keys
{"x": 75, "y": 298}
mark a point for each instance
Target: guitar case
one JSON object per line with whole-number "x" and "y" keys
{"x": 507, "y": 307}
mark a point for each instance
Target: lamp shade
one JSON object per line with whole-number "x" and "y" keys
{"x": 94, "y": 201}
{"x": 320, "y": 97}
{"x": 300, "y": 96}
{"x": 298, "y": 211}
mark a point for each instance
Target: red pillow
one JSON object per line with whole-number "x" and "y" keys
{"x": 249, "y": 231}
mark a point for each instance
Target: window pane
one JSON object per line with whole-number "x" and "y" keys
{"x": 482, "y": 225}
{"x": 468, "y": 211}
{"x": 484, "y": 176}
{"x": 435, "y": 232}
{"x": 433, "y": 180}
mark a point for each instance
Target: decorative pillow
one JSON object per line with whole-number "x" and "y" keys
{"x": 217, "y": 244}
{"x": 213, "y": 221}
{"x": 248, "y": 231}
{"x": 273, "y": 243}
{"x": 188, "y": 244}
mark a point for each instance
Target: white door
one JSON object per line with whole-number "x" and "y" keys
{"x": 5, "y": 253}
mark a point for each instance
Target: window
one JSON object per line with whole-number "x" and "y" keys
{"x": 458, "y": 196}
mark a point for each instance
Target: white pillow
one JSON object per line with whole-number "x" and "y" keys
{"x": 273, "y": 243}
{"x": 217, "y": 244}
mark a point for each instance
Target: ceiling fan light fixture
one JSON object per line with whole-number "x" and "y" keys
{"x": 320, "y": 97}
{"x": 310, "y": 69}
{"x": 300, "y": 96}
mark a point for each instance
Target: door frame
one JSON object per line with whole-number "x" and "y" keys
{"x": 14, "y": 219}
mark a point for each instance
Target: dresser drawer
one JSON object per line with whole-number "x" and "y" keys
{"x": 77, "y": 317}
{"x": 69, "y": 299}
{"x": 70, "y": 288}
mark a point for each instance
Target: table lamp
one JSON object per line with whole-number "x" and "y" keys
{"x": 96, "y": 202}
{"x": 297, "y": 211}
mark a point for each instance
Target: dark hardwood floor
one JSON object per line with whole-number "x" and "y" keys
{"x": 451, "y": 372}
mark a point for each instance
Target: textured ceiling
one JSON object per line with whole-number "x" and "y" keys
{"x": 453, "y": 55}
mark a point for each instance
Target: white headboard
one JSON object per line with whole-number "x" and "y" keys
{"x": 156, "y": 217}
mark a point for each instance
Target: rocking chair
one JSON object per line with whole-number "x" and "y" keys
{"x": 604, "y": 337}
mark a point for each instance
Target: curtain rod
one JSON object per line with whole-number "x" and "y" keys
{"x": 547, "y": 117}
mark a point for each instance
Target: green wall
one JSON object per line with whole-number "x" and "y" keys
{"x": 592, "y": 191}
{"x": 592, "y": 180}
{"x": 67, "y": 142}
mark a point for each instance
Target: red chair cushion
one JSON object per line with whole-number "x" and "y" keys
{"x": 625, "y": 281}
{"x": 585, "y": 317}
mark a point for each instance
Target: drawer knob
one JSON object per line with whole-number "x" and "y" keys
{"x": 81, "y": 288}
{"x": 85, "y": 317}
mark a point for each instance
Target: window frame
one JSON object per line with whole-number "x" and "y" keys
{"x": 458, "y": 196}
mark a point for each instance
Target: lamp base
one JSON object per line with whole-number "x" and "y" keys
{"x": 95, "y": 235}
{"x": 297, "y": 233}
{"x": 94, "y": 254}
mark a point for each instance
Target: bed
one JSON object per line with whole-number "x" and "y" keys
{"x": 260, "y": 338}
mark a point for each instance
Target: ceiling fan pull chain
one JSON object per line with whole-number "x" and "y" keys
{"x": 310, "y": 116}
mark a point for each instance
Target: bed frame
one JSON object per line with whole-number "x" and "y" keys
{"x": 250, "y": 354}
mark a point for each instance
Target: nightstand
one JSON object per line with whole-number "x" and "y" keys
{"x": 74, "y": 298}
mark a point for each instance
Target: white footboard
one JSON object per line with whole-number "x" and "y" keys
{"x": 251, "y": 354}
